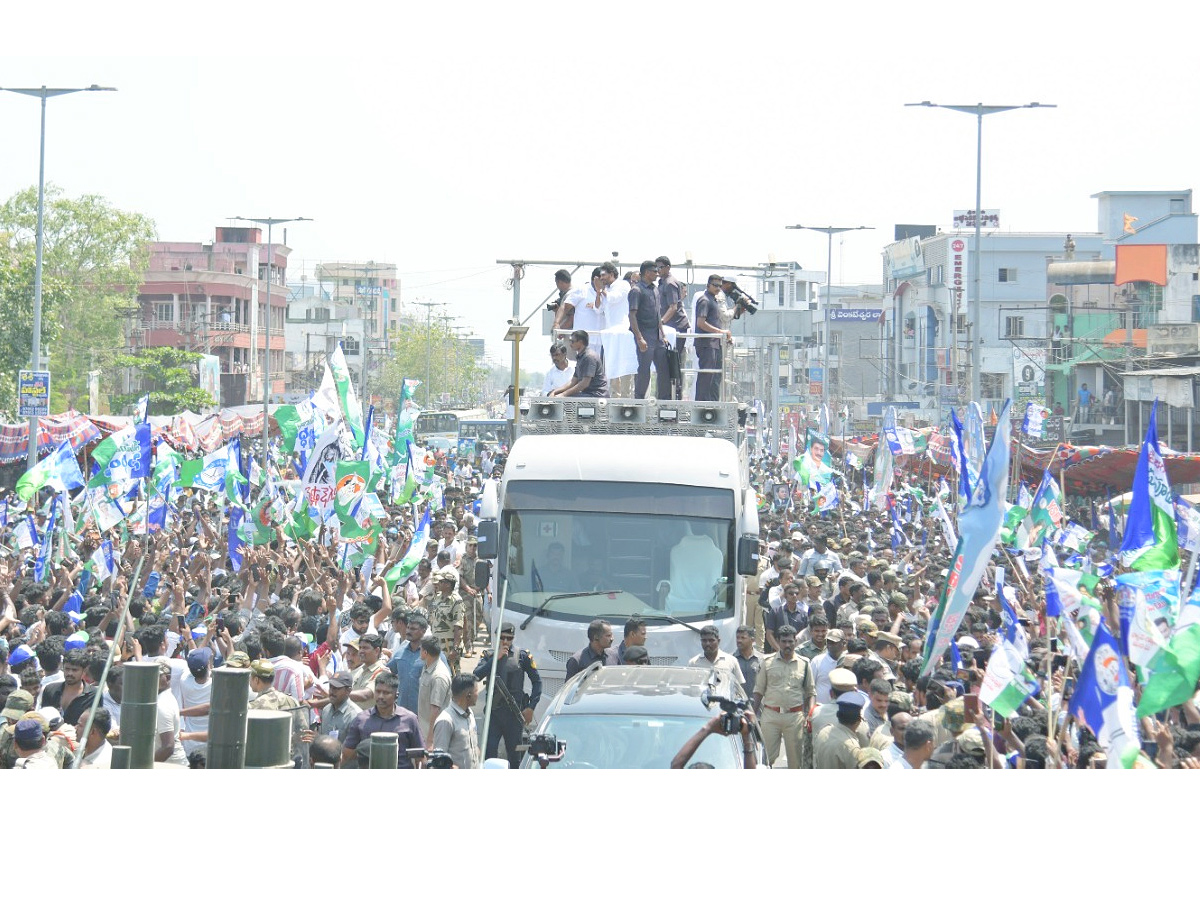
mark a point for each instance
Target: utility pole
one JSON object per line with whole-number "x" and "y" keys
{"x": 429, "y": 305}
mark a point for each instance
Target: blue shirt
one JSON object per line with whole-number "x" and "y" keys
{"x": 1085, "y": 396}
{"x": 406, "y": 665}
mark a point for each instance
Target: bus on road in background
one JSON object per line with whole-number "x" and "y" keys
{"x": 438, "y": 429}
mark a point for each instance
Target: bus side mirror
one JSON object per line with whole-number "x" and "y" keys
{"x": 747, "y": 554}
{"x": 488, "y": 534}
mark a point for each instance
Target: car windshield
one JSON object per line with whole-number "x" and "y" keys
{"x": 634, "y": 563}
{"x": 629, "y": 742}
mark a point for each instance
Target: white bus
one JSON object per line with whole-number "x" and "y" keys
{"x": 618, "y": 508}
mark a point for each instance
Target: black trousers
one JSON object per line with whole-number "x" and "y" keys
{"x": 708, "y": 384}
{"x": 656, "y": 352}
{"x": 504, "y": 726}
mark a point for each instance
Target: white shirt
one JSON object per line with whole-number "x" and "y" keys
{"x": 194, "y": 694}
{"x": 100, "y": 758}
{"x": 557, "y": 378}
{"x": 723, "y": 663}
{"x": 169, "y": 721}
{"x": 587, "y": 317}
{"x": 822, "y": 665}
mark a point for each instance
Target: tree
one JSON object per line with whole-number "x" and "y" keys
{"x": 168, "y": 375}
{"x": 431, "y": 353}
{"x": 16, "y": 322}
{"x": 100, "y": 254}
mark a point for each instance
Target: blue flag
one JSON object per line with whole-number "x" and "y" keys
{"x": 1103, "y": 700}
{"x": 236, "y": 514}
{"x": 979, "y": 527}
{"x": 3, "y": 513}
{"x": 1150, "y": 543}
{"x": 955, "y": 657}
{"x": 47, "y": 544}
{"x": 143, "y": 409}
{"x": 958, "y": 451}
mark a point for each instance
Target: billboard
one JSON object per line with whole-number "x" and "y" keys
{"x": 965, "y": 218}
{"x": 904, "y": 257}
{"x": 855, "y": 315}
{"x": 210, "y": 377}
{"x": 1029, "y": 373}
{"x": 33, "y": 394}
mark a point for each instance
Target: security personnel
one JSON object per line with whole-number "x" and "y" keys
{"x": 446, "y": 611}
{"x": 511, "y": 713}
{"x": 783, "y": 697}
{"x": 837, "y": 745}
{"x": 262, "y": 675}
{"x": 841, "y": 681}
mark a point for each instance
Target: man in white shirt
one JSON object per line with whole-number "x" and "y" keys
{"x": 713, "y": 657}
{"x": 168, "y": 747}
{"x": 562, "y": 370}
{"x": 196, "y": 690}
{"x": 826, "y": 662}
{"x": 97, "y": 751}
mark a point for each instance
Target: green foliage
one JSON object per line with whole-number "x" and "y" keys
{"x": 168, "y": 375}
{"x": 16, "y": 321}
{"x": 431, "y": 353}
{"x": 100, "y": 254}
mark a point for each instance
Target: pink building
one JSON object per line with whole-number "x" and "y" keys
{"x": 211, "y": 299}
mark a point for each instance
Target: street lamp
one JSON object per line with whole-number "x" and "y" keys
{"x": 829, "y": 231}
{"x": 270, "y": 223}
{"x": 429, "y": 306}
{"x": 979, "y": 110}
{"x": 43, "y": 93}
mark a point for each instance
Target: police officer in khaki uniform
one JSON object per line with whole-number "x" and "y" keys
{"x": 783, "y": 697}
{"x": 262, "y": 674}
{"x": 755, "y": 612}
{"x": 841, "y": 681}
{"x": 837, "y": 745}
{"x": 446, "y": 611}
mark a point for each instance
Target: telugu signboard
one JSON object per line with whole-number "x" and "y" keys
{"x": 855, "y": 315}
{"x": 33, "y": 394}
{"x": 965, "y": 218}
{"x": 1029, "y": 373}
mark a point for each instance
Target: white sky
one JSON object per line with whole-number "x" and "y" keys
{"x": 445, "y": 139}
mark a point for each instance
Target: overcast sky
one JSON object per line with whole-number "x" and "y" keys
{"x": 448, "y": 137}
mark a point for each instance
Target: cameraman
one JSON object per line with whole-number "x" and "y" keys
{"x": 715, "y": 726}
{"x": 709, "y": 349}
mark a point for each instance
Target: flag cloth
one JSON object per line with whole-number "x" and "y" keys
{"x": 1103, "y": 701}
{"x": 318, "y": 481}
{"x": 122, "y": 456}
{"x": 346, "y": 397}
{"x": 1187, "y": 525}
{"x": 1148, "y": 604}
{"x": 1007, "y": 682}
{"x": 882, "y": 482}
{"x": 979, "y": 528}
{"x": 3, "y": 513}
{"x": 416, "y": 551}
{"x": 958, "y": 453}
{"x": 815, "y": 466}
{"x": 102, "y": 561}
{"x": 350, "y": 485}
{"x": 1173, "y": 674}
{"x": 1150, "y": 539}
{"x": 47, "y": 544}
{"x": 26, "y": 534}
{"x": 943, "y": 517}
{"x": 827, "y": 497}
{"x": 59, "y": 471}
{"x": 210, "y": 474}
{"x": 288, "y": 420}
{"x": 236, "y": 517}
{"x": 1035, "y": 418}
{"x": 1063, "y": 596}
{"x": 143, "y": 409}
{"x": 1046, "y": 514}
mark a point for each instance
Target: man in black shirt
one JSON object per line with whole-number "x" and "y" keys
{"x": 645, "y": 322}
{"x": 709, "y": 349}
{"x": 512, "y": 707}
{"x": 589, "y": 380}
{"x": 599, "y": 649}
{"x": 671, "y": 308}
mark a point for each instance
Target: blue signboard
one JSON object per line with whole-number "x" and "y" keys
{"x": 33, "y": 394}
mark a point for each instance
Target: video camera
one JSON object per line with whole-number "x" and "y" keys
{"x": 435, "y": 759}
{"x": 742, "y": 302}
{"x": 545, "y": 749}
{"x": 734, "y": 711}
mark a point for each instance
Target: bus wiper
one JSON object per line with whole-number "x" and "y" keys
{"x": 672, "y": 620}
{"x": 546, "y": 602}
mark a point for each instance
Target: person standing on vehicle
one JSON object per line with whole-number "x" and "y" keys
{"x": 783, "y": 697}
{"x": 599, "y": 649}
{"x": 671, "y": 308}
{"x": 645, "y": 322}
{"x": 709, "y": 350}
{"x": 564, "y": 313}
{"x": 512, "y": 707}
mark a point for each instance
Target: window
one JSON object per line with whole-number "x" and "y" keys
{"x": 835, "y": 343}
{"x": 350, "y": 346}
{"x": 962, "y": 323}
{"x": 1006, "y": 275}
{"x": 320, "y": 315}
{"x": 1014, "y": 326}
{"x": 992, "y": 385}
{"x": 163, "y": 312}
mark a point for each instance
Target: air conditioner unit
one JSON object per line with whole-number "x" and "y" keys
{"x": 627, "y": 413}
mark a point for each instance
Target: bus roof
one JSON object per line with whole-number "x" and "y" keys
{"x": 655, "y": 459}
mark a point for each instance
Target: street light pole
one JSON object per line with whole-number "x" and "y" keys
{"x": 829, "y": 231}
{"x": 43, "y": 93}
{"x": 270, "y": 223}
{"x": 979, "y": 110}
{"x": 429, "y": 305}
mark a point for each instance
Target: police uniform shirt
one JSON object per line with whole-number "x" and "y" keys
{"x": 670, "y": 293}
{"x": 826, "y": 715}
{"x": 708, "y": 310}
{"x": 836, "y": 748}
{"x": 785, "y": 684}
{"x": 446, "y": 614}
{"x": 512, "y": 672}
{"x": 644, "y": 306}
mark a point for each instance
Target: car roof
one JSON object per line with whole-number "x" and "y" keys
{"x": 641, "y": 690}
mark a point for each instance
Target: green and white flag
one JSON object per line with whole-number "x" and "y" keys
{"x": 347, "y": 399}
{"x": 1007, "y": 682}
{"x": 350, "y": 486}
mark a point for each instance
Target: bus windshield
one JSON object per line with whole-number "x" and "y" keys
{"x": 633, "y": 563}
{"x": 494, "y": 431}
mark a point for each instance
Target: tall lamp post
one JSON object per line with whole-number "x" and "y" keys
{"x": 979, "y": 110}
{"x": 43, "y": 93}
{"x": 829, "y": 231}
{"x": 270, "y": 223}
